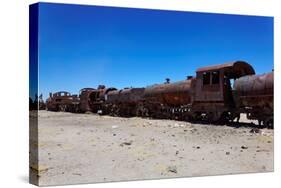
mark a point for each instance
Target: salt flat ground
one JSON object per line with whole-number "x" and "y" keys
{"x": 87, "y": 148}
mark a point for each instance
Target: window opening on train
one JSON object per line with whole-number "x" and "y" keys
{"x": 206, "y": 78}
{"x": 215, "y": 77}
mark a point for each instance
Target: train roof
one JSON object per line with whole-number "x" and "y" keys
{"x": 234, "y": 69}
{"x": 62, "y": 92}
{"x": 87, "y": 88}
{"x": 181, "y": 84}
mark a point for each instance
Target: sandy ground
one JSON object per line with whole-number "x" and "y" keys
{"x": 87, "y": 148}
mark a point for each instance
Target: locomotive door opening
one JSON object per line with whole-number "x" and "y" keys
{"x": 227, "y": 91}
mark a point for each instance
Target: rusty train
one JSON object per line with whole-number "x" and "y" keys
{"x": 216, "y": 94}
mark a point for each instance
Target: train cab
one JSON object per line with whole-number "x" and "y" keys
{"x": 213, "y": 91}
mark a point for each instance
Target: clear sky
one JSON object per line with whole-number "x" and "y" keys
{"x": 84, "y": 46}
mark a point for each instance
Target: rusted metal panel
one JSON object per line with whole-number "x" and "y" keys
{"x": 255, "y": 90}
{"x": 98, "y": 97}
{"x": 210, "y": 92}
{"x": 221, "y": 90}
{"x": 254, "y": 96}
{"x": 62, "y": 101}
{"x": 61, "y": 97}
{"x": 175, "y": 94}
{"x": 105, "y": 91}
{"x": 84, "y": 99}
{"x": 129, "y": 95}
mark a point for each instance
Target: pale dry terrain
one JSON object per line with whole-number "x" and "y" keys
{"x": 86, "y": 148}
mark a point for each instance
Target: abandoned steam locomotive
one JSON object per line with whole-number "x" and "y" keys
{"x": 216, "y": 94}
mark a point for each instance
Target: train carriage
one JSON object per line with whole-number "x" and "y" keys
{"x": 217, "y": 93}
{"x": 62, "y": 101}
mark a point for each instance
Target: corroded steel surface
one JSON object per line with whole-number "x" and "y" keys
{"x": 255, "y": 90}
{"x": 98, "y": 97}
{"x": 177, "y": 93}
{"x": 254, "y": 96}
{"x": 61, "y": 101}
{"x": 129, "y": 95}
{"x": 84, "y": 99}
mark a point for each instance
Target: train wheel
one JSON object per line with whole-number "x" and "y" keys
{"x": 231, "y": 116}
{"x": 62, "y": 108}
{"x": 210, "y": 117}
{"x": 269, "y": 123}
{"x": 220, "y": 118}
{"x": 196, "y": 116}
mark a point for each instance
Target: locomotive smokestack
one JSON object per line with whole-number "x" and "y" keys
{"x": 188, "y": 77}
{"x": 167, "y": 81}
{"x": 101, "y": 87}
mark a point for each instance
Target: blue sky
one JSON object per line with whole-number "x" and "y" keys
{"x": 84, "y": 46}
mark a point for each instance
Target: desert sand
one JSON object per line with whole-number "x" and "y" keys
{"x": 87, "y": 148}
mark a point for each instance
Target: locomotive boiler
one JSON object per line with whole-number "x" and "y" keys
{"x": 255, "y": 97}
{"x": 168, "y": 100}
{"x": 124, "y": 102}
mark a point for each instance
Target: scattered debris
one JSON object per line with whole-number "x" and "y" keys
{"x": 262, "y": 150}
{"x": 172, "y": 169}
{"x": 176, "y": 125}
{"x": 77, "y": 174}
{"x": 179, "y": 125}
{"x": 149, "y": 123}
{"x": 264, "y": 133}
{"x": 126, "y": 143}
{"x": 255, "y": 130}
